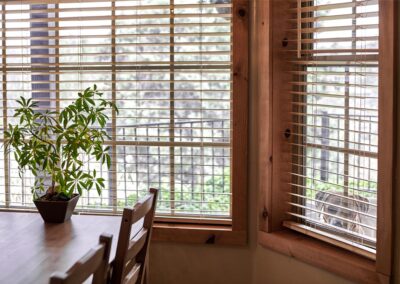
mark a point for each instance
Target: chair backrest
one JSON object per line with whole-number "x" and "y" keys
{"x": 95, "y": 262}
{"x": 131, "y": 260}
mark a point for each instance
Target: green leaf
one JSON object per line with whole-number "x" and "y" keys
{"x": 108, "y": 161}
{"x": 98, "y": 188}
{"x": 100, "y": 181}
{"x": 90, "y": 101}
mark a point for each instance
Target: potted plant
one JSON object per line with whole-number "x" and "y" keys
{"x": 51, "y": 145}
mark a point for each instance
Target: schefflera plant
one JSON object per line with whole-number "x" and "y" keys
{"x": 52, "y": 144}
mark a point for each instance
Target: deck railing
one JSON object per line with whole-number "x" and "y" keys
{"x": 192, "y": 169}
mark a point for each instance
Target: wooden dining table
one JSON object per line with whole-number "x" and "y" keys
{"x": 31, "y": 250}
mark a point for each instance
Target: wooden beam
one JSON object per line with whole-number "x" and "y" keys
{"x": 387, "y": 86}
{"x": 240, "y": 114}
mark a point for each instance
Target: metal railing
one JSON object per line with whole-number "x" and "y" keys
{"x": 198, "y": 168}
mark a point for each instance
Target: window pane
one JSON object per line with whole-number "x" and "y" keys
{"x": 165, "y": 63}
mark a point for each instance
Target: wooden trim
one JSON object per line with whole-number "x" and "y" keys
{"x": 396, "y": 186}
{"x": 331, "y": 239}
{"x": 281, "y": 97}
{"x": 262, "y": 70}
{"x": 386, "y": 142}
{"x": 194, "y": 234}
{"x": 323, "y": 255}
{"x": 240, "y": 114}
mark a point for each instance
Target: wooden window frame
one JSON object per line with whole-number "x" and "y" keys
{"x": 213, "y": 232}
{"x": 235, "y": 233}
{"x": 271, "y": 108}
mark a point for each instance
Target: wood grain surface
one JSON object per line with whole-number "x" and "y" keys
{"x": 30, "y": 250}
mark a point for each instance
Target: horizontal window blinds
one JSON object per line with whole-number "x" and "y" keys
{"x": 333, "y": 56}
{"x": 166, "y": 63}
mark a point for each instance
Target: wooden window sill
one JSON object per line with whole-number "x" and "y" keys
{"x": 198, "y": 234}
{"x": 320, "y": 254}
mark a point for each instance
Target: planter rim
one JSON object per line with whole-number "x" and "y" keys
{"x": 59, "y": 211}
{"x": 76, "y": 195}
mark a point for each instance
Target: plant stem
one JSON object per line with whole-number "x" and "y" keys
{"x": 44, "y": 141}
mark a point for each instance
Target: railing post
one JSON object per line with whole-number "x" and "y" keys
{"x": 125, "y": 170}
{"x": 192, "y": 160}
{"x": 159, "y": 164}
{"x": 136, "y": 164}
{"x": 223, "y": 156}
{"x": 110, "y": 174}
{"x": 181, "y": 173}
{"x": 148, "y": 155}
{"x": 324, "y": 142}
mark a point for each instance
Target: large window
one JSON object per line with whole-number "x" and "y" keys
{"x": 334, "y": 98}
{"x": 168, "y": 66}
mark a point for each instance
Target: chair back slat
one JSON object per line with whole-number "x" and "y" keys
{"x": 101, "y": 275}
{"x": 85, "y": 267}
{"x": 94, "y": 262}
{"x": 137, "y": 243}
{"x": 142, "y": 208}
{"x": 132, "y": 251}
{"x": 133, "y": 275}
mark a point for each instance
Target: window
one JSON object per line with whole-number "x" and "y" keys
{"x": 325, "y": 115}
{"x": 168, "y": 64}
{"x": 334, "y": 127}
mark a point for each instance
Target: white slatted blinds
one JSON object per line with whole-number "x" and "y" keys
{"x": 167, "y": 65}
{"x": 334, "y": 135}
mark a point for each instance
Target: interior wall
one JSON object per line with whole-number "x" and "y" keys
{"x": 199, "y": 264}
{"x": 251, "y": 264}
{"x": 275, "y": 268}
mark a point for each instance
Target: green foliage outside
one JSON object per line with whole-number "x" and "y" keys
{"x": 313, "y": 186}
{"x": 214, "y": 196}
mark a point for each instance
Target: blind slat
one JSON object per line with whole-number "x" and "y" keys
{"x": 349, "y": 4}
{"x": 333, "y": 59}
{"x": 168, "y": 67}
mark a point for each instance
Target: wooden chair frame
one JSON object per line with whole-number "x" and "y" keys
{"x": 95, "y": 262}
{"x": 131, "y": 260}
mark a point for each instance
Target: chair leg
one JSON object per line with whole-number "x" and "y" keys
{"x": 146, "y": 273}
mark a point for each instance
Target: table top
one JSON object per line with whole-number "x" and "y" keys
{"x": 31, "y": 250}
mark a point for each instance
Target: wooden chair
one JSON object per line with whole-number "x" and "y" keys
{"x": 131, "y": 260}
{"x": 95, "y": 263}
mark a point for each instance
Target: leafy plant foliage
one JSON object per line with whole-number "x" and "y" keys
{"x": 51, "y": 143}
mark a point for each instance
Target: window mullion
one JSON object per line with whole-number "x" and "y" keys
{"x": 57, "y": 59}
{"x": 113, "y": 189}
{"x": 172, "y": 109}
{"x": 5, "y": 121}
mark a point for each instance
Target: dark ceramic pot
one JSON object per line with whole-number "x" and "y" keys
{"x": 56, "y": 211}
